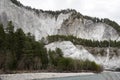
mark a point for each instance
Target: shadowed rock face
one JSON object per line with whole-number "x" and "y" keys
{"x": 110, "y": 61}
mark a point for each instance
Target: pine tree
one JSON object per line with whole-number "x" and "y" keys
{"x": 20, "y": 43}
{"x": 2, "y": 39}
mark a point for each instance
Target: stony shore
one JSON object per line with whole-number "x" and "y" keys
{"x": 30, "y": 76}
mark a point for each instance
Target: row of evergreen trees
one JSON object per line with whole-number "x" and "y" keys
{"x": 106, "y": 21}
{"x": 56, "y": 13}
{"x": 20, "y": 51}
{"x": 84, "y": 42}
{"x": 113, "y": 24}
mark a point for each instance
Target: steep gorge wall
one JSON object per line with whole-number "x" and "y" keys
{"x": 68, "y": 22}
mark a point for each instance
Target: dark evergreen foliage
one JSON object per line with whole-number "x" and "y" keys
{"x": 21, "y": 50}
{"x": 37, "y": 11}
{"x": 17, "y": 3}
{"x": 84, "y": 42}
{"x": 113, "y": 24}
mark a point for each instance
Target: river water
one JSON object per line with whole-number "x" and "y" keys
{"x": 101, "y": 76}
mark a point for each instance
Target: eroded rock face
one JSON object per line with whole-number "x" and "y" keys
{"x": 40, "y": 25}
{"x": 109, "y": 58}
{"x": 44, "y": 23}
{"x": 69, "y": 50}
{"x": 87, "y": 29}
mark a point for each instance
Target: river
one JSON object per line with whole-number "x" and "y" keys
{"x": 101, "y": 76}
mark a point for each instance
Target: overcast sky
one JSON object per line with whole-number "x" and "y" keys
{"x": 95, "y": 8}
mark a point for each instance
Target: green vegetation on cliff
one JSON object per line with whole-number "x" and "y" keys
{"x": 84, "y": 42}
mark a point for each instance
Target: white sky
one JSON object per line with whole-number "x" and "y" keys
{"x": 95, "y": 8}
